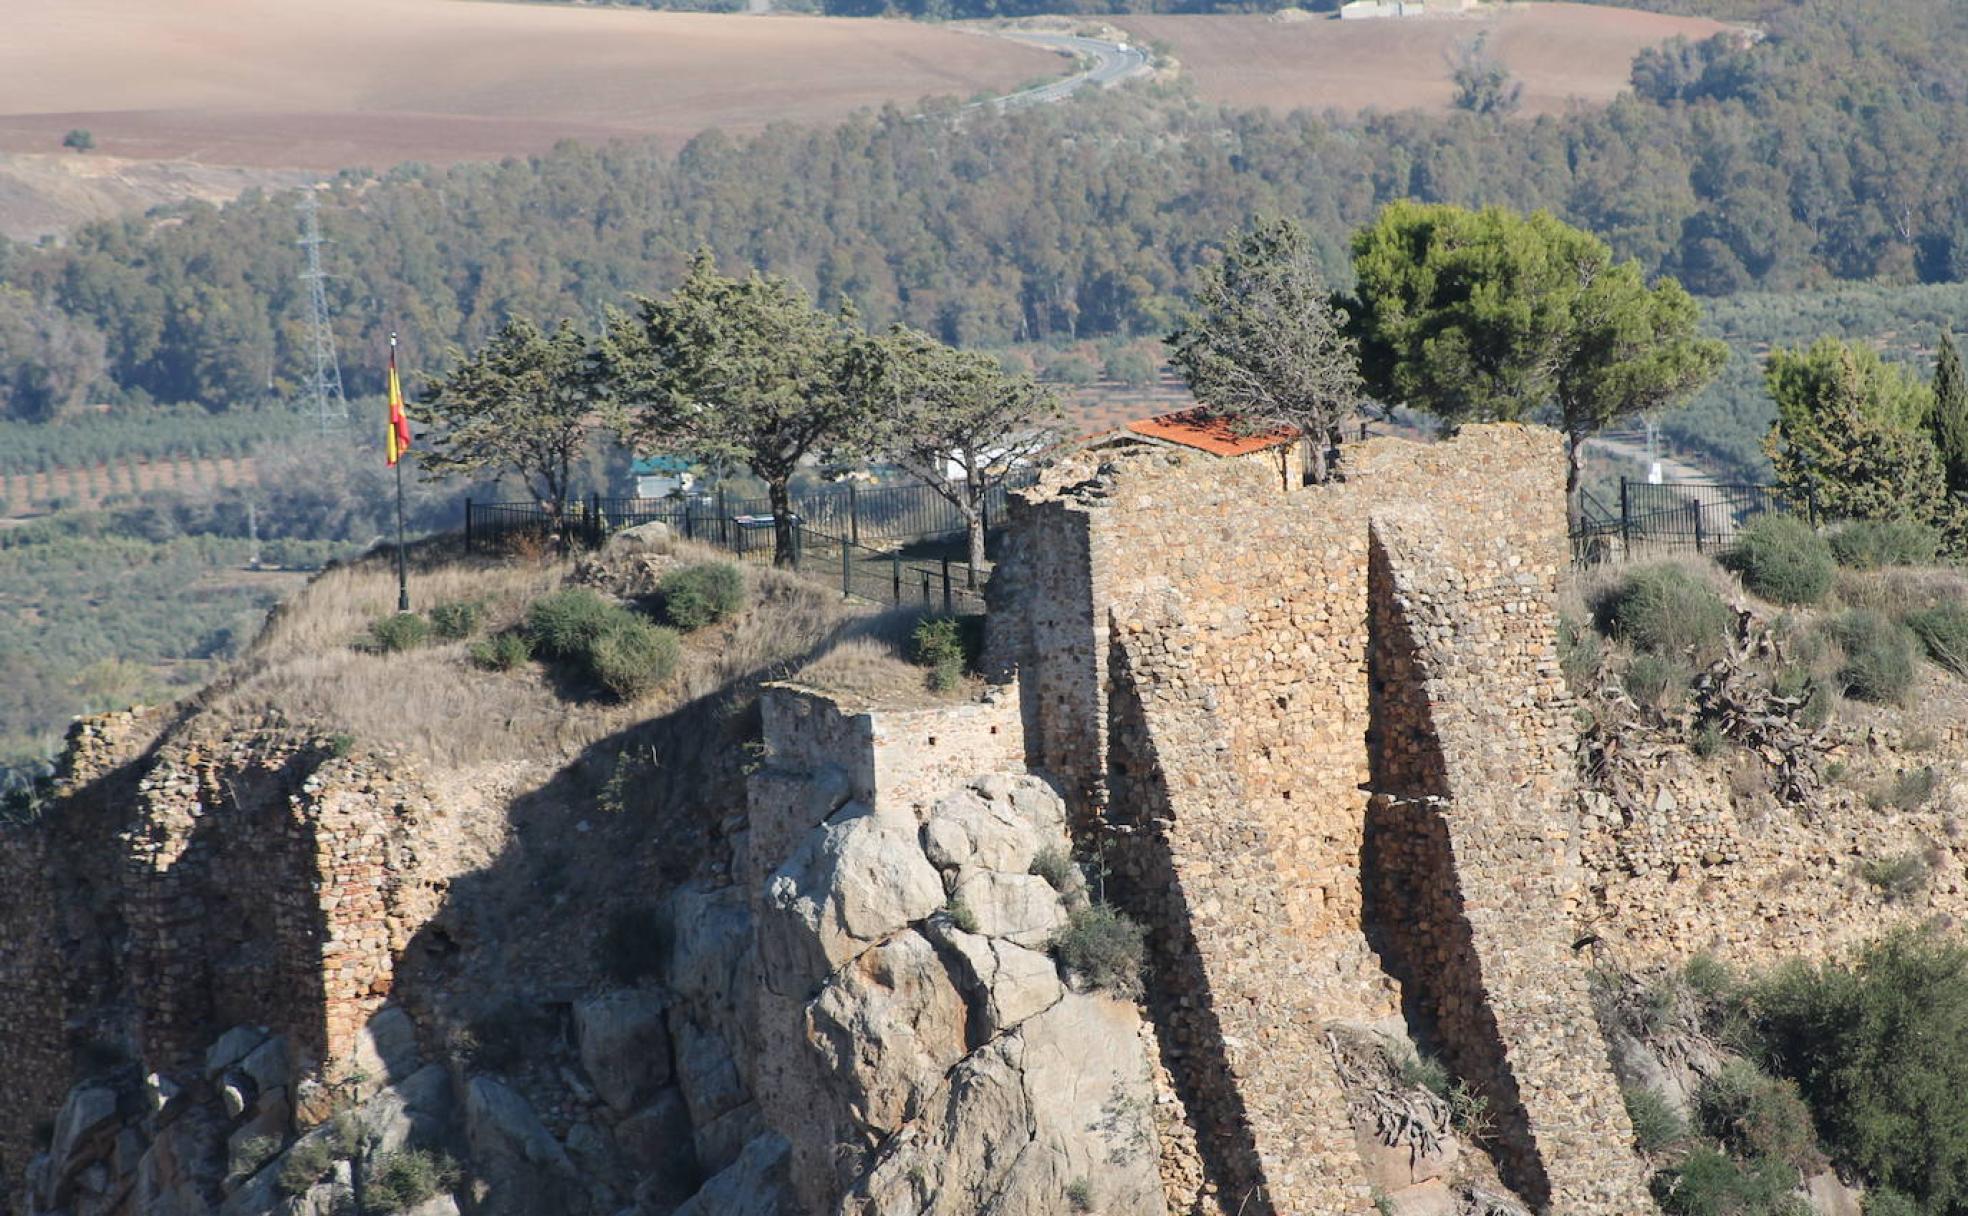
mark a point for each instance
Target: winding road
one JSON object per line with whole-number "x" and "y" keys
{"x": 1113, "y": 62}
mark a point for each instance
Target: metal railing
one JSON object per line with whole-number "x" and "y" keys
{"x": 1663, "y": 517}
{"x": 744, "y": 527}
{"x": 859, "y": 513}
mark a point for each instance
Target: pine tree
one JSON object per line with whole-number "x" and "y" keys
{"x": 1849, "y": 435}
{"x": 1949, "y": 419}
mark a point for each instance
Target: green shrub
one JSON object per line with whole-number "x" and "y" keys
{"x": 1783, "y": 560}
{"x": 620, "y": 650}
{"x": 307, "y": 1163}
{"x": 636, "y": 945}
{"x": 397, "y": 632}
{"x": 1650, "y": 678}
{"x": 939, "y": 646}
{"x": 1870, "y": 544}
{"x": 1416, "y": 1071}
{"x": 1907, "y": 791}
{"x": 502, "y": 651}
{"x": 1758, "y": 1116}
{"x": 1055, "y": 865}
{"x": 1878, "y": 657}
{"x": 399, "y": 1181}
{"x": 1079, "y": 1195}
{"x": 1709, "y": 977}
{"x": 253, "y": 1153}
{"x": 1579, "y": 653}
{"x": 701, "y": 595}
{"x": 1105, "y": 946}
{"x": 1709, "y": 741}
{"x": 1943, "y": 631}
{"x": 961, "y": 915}
{"x": 564, "y": 624}
{"x": 1657, "y": 1126}
{"x": 1876, "y": 1048}
{"x": 633, "y": 657}
{"x": 1890, "y": 1203}
{"x": 1898, "y": 878}
{"x": 1711, "y": 1183}
{"x": 455, "y": 620}
{"x": 1669, "y": 611}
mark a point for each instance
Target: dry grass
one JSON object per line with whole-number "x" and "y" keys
{"x": 869, "y": 664}
{"x": 433, "y": 705}
{"x": 299, "y": 83}
{"x": 1900, "y": 590}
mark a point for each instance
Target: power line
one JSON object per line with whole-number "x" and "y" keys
{"x": 330, "y": 403}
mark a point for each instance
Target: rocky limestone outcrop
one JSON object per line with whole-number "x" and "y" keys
{"x": 922, "y": 1053}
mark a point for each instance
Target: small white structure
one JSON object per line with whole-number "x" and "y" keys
{"x": 662, "y": 476}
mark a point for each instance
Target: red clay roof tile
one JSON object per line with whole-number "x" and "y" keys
{"x": 1196, "y": 428}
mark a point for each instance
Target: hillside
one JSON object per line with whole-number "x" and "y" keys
{"x": 1562, "y": 54}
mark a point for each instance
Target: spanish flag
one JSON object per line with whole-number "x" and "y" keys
{"x": 399, "y": 426}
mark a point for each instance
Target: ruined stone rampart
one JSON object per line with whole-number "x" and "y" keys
{"x": 1242, "y": 680}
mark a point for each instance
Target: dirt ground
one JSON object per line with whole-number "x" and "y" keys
{"x": 306, "y": 84}
{"x": 1562, "y": 53}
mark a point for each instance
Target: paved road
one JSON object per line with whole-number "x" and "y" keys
{"x": 1113, "y": 62}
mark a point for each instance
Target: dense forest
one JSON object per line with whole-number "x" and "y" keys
{"x": 1831, "y": 150}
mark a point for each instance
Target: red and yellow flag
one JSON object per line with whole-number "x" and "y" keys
{"x": 399, "y": 426}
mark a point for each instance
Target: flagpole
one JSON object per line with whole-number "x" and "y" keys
{"x": 402, "y": 570}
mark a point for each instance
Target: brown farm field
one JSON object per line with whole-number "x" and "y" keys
{"x": 1564, "y": 54}
{"x": 316, "y": 84}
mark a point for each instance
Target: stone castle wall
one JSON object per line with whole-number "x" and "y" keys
{"x": 58, "y": 925}
{"x": 1204, "y": 682}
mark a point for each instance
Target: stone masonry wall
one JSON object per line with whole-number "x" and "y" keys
{"x": 1226, "y": 660}
{"x": 1472, "y": 735}
{"x": 58, "y": 926}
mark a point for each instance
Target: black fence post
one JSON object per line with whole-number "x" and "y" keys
{"x": 947, "y": 602}
{"x": 895, "y": 575}
{"x": 595, "y": 530}
{"x": 468, "y": 527}
{"x": 1626, "y": 518}
{"x": 853, "y": 514}
{"x": 926, "y": 601}
{"x": 847, "y": 581}
{"x": 1696, "y": 507}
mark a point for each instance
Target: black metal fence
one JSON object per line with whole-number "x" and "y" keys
{"x": 900, "y": 513}
{"x": 1664, "y": 517}
{"x": 829, "y": 525}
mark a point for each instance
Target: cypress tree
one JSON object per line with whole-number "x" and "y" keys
{"x": 1949, "y": 420}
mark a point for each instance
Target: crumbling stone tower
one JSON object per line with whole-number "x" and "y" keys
{"x": 1320, "y": 738}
